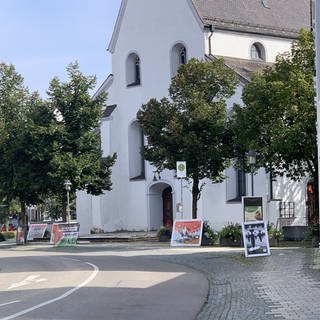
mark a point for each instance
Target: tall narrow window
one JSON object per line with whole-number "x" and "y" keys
{"x": 272, "y": 181}
{"x": 235, "y": 183}
{"x": 241, "y": 183}
{"x": 133, "y": 70}
{"x": 178, "y": 57}
{"x": 258, "y": 52}
{"x": 136, "y": 161}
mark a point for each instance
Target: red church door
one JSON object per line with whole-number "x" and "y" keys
{"x": 167, "y": 207}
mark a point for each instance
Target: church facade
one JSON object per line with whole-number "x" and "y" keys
{"x": 151, "y": 38}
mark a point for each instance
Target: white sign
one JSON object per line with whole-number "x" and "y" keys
{"x": 36, "y": 230}
{"x": 181, "y": 169}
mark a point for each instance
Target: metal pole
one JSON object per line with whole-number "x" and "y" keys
{"x": 181, "y": 187}
{"x": 252, "y": 186}
{"x": 68, "y": 208}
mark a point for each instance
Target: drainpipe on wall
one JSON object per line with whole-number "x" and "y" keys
{"x": 211, "y": 28}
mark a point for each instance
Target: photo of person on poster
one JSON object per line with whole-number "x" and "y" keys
{"x": 255, "y": 238}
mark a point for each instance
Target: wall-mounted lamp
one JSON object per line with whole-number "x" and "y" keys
{"x": 156, "y": 175}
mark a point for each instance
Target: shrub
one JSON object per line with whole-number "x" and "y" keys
{"x": 273, "y": 232}
{"x": 8, "y": 235}
{"x": 232, "y": 231}
{"x": 164, "y": 231}
{"x": 209, "y": 233}
{"x": 314, "y": 229}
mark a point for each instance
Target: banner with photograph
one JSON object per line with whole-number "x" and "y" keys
{"x": 36, "y": 230}
{"x": 252, "y": 208}
{"x": 255, "y": 239}
{"x": 64, "y": 234}
{"x": 186, "y": 233}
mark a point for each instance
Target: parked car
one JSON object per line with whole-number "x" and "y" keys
{"x": 4, "y": 228}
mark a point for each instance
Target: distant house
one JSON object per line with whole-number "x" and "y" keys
{"x": 151, "y": 38}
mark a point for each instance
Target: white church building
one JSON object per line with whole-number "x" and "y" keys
{"x": 151, "y": 38}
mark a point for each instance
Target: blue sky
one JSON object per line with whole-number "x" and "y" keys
{"x": 41, "y": 37}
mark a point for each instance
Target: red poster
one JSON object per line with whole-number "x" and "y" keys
{"x": 187, "y": 232}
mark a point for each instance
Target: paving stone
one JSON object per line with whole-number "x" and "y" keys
{"x": 284, "y": 286}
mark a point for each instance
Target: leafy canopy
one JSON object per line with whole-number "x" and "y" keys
{"x": 279, "y": 116}
{"x": 43, "y": 143}
{"x": 21, "y": 175}
{"x": 78, "y": 155}
{"x": 192, "y": 125}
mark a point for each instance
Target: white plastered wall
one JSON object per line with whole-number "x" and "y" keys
{"x": 151, "y": 33}
{"x": 237, "y": 45}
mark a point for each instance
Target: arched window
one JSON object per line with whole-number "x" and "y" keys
{"x": 136, "y": 161}
{"x": 133, "y": 70}
{"x": 258, "y": 52}
{"x": 178, "y": 57}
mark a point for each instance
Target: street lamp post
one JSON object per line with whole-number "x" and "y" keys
{"x": 252, "y": 155}
{"x": 67, "y": 185}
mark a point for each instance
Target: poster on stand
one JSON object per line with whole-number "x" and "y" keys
{"x": 255, "y": 239}
{"x": 64, "y": 234}
{"x": 252, "y": 208}
{"x": 36, "y": 230}
{"x": 186, "y": 233}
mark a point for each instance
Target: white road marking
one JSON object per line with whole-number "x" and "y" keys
{"x": 29, "y": 280}
{"x": 7, "y": 303}
{"x": 68, "y": 293}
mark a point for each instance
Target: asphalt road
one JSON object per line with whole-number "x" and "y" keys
{"x": 96, "y": 282}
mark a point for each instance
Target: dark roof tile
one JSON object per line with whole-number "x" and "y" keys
{"x": 273, "y": 17}
{"x": 243, "y": 67}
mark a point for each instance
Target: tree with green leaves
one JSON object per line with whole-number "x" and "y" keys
{"x": 44, "y": 143}
{"x": 278, "y": 118}
{"x": 77, "y": 149}
{"x": 193, "y": 124}
{"x": 18, "y": 171}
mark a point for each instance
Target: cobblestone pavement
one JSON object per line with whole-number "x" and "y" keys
{"x": 282, "y": 286}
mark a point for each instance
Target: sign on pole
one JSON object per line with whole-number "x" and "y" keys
{"x": 181, "y": 169}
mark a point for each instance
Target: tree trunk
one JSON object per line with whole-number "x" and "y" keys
{"x": 195, "y": 197}
{"x": 24, "y": 219}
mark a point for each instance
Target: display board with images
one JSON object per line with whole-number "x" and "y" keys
{"x": 252, "y": 208}
{"x": 64, "y": 234}
{"x": 36, "y": 231}
{"x": 255, "y": 239}
{"x": 186, "y": 233}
